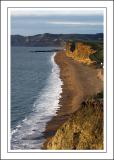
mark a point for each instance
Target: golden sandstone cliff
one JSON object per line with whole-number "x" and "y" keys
{"x": 79, "y": 51}
{"x": 83, "y": 130}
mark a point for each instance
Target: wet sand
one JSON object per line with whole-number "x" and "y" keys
{"x": 79, "y": 82}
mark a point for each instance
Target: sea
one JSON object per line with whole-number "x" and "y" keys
{"x": 35, "y": 92}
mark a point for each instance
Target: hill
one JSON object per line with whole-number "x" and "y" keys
{"x": 48, "y": 39}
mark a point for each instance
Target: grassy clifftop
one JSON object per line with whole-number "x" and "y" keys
{"x": 83, "y": 130}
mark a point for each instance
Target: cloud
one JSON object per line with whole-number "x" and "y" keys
{"x": 54, "y": 11}
{"x": 76, "y": 23}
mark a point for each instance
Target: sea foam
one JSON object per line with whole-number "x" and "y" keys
{"x": 29, "y": 133}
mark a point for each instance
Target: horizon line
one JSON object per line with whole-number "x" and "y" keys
{"x": 56, "y": 34}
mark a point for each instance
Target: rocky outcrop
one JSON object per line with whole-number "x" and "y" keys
{"x": 83, "y": 130}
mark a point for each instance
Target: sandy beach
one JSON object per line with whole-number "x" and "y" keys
{"x": 79, "y": 82}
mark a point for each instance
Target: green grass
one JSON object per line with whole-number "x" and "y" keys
{"x": 98, "y": 56}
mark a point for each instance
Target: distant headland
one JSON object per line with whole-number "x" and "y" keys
{"x": 52, "y": 40}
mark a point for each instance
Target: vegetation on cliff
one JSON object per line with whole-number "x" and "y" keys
{"x": 85, "y": 52}
{"x": 98, "y": 55}
{"x": 83, "y": 130}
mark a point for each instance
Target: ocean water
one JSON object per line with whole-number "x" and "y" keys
{"x": 35, "y": 93}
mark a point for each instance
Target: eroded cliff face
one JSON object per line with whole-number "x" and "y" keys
{"x": 81, "y": 52}
{"x": 83, "y": 130}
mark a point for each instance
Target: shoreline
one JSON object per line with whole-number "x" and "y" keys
{"x": 79, "y": 82}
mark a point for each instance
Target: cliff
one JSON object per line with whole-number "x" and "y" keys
{"x": 79, "y": 51}
{"x": 85, "y": 52}
{"x": 83, "y": 130}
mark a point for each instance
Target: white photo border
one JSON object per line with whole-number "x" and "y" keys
{"x": 7, "y": 57}
{"x": 9, "y": 81}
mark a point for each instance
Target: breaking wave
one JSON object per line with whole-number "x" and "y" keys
{"x": 28, "y": 134}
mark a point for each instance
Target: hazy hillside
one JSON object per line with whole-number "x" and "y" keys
{"x": 52, "y": 39}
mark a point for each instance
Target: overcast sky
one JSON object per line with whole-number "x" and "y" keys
{"x": 64, "y": 20}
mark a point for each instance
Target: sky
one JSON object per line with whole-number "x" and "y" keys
{"x": 56, "y": 20}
